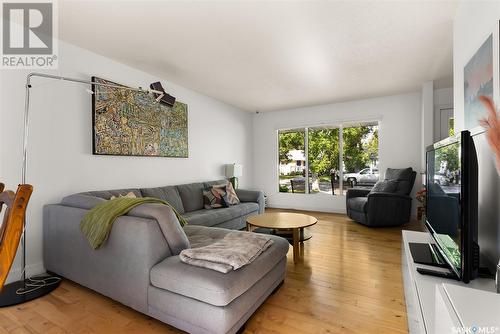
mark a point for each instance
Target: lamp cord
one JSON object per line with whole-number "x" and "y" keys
{"x": 37, "y": 282}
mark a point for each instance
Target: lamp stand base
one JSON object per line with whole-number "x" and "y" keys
{"x": 10, "y": 295}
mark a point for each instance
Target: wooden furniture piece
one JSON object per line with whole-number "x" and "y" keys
{"x": 438, "y": 305}
{"x": 284, "y": 221}
{"x": 12, "y": 226}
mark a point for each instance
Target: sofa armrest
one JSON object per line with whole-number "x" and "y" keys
{"x": 255, "y": 196}
{"x": 119, "y": 269}
{"x": 357, "y": 192}
{"x": 388, "y": 209}
{"x": 168, "y": 222}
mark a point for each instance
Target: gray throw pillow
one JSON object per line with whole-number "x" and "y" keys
{"x": 398, "y": 174}
{"x": 386, "y": 186}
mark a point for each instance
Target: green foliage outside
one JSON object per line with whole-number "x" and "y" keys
{"x": 290, "y": 141}
{"x": 358, "y": 152}
{"x": 451, "y": 126}
{"x": 448, "y": 154}
{"x": 360, "y": 147}
{"x": 323, "y": 151}
{"x": 284, "y": 188}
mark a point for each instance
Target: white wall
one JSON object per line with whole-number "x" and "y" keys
{"x": 443, "y": 98}
{"x": 474, "y": 22}
{"x": 427, "y": 119}
{"x": 61, "y": 160}
{"x": 399, "y": 142}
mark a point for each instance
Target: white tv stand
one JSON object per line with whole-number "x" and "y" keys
{"x": 440, "y": 305}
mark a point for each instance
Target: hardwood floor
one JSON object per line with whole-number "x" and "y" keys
{"x": 349, "y": 281}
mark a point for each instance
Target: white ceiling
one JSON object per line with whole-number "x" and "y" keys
{"x": 272, "y": 55}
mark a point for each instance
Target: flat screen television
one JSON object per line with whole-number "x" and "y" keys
{"x": 452, "y": 204}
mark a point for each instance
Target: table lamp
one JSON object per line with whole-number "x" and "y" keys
{"x": 233, "y": 171}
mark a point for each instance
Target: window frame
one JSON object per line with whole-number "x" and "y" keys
{"x": 305, "y": 130}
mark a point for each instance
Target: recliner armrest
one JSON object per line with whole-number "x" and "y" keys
{"x": 357, "y": 192}
{"x": 388, "y": 195}
{"x": 388, "y": 209}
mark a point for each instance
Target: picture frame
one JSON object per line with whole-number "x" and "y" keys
{"x": 131, "y": 123}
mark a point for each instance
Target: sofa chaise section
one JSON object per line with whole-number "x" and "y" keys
{"x": 221, "y": 303}
{"x": 139, "y": 266}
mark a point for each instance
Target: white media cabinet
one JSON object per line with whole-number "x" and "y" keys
{"x": 437, "y": 305}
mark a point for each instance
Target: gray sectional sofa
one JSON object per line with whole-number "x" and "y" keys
{"x": 139, "y": 265}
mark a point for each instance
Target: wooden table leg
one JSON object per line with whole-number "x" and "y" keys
{"x": 295, "y": 245}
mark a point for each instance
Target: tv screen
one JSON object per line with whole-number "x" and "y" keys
{"x": 443, "y": 199}
{"x": 452, "y": 204}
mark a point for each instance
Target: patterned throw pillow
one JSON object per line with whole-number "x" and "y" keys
{"x": 213, "y": 198}
{"x": 128, "y": 195}
{"x": 231, "y": 197}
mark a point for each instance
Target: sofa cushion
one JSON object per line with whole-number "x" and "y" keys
{"x": 210, "y": 286}
{"x": 214, "y": 217}
{"x": 192, "y": 196}
{"x": 210, "y": 184}
{"x": 386, "y": 186}
{"x": 404, "y": 178}
{"x": 357, "y": 203}
{"x": 107, "y": 194}
{"x": 398, "y": 174}
{"x": 82, "y": 201}
{"x": 169, "y": 194}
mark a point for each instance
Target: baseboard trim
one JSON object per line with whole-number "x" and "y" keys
{"x": 318, "y": 209}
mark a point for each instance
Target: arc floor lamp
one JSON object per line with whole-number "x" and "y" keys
{"x": 27, "y": 289}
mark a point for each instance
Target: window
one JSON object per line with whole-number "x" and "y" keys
{"x": 323, "y": 155}
{"x": 338, "y": 157}
{"x": 291, "y": 159}
{"x": 360, "y": 155}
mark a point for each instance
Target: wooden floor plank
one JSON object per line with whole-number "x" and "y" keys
{"x": 348, "y": 281}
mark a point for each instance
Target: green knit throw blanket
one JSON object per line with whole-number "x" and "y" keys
{"x": 97, "y": 223}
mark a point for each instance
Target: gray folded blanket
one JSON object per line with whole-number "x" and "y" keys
{"x": 234, "y": 251}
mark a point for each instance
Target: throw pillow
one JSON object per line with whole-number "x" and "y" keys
{"x": 128, "y": 195}
{"x": 221, "y": 190}
{"x": 213, "y": 198}
{"x": 386, "y": 186}
{"x": 398, "y": 174}
{"x": 231, "y": 197}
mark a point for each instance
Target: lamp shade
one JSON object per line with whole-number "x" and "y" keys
{"x": 234, "y": 170}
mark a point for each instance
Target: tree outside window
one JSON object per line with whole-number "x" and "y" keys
{"x": 325, "y": 158}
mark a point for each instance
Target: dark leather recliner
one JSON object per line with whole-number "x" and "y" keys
{"x": 383, "y": 208}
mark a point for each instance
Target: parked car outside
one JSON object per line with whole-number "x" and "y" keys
{"x": 366, "y": 176}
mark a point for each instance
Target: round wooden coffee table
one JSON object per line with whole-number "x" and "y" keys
{"x": 284, "y": 221}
